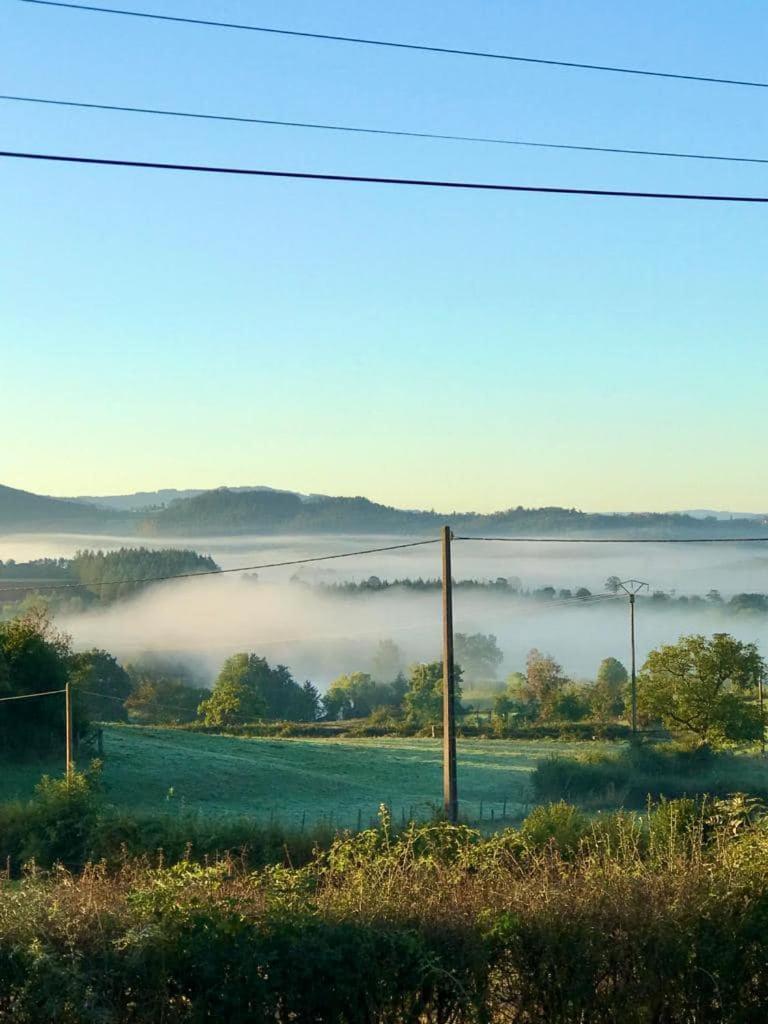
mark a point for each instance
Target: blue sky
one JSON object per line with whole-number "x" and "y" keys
{"x": 426, "y": 348}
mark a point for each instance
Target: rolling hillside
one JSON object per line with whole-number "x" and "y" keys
{"x": 23, "y": 512}
{"x": 235, "y": 511}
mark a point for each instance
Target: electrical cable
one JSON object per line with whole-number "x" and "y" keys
{"x": 620, "y": 540}
{"x": 221, "y": 572}
{"x": 488, "y": 140}
{"x": 376, "y": 180}
{"x": 393, "y": 44}
{"x": 27, "y": 696}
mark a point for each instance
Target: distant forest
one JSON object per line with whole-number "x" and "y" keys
{"x": 512, "y": 587}
{"x": 225, "y": 511}
{"x": 99, "y": 577}
{"x": 95, "y": 576}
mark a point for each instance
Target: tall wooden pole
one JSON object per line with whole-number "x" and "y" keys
{"x": 68, "y": 728}
{"x": 450, "y": 796}
{"x": 634, "y": 669}
{"x": 760, "y": 695}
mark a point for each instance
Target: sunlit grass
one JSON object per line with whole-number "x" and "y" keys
{"x": 304, "y": 780}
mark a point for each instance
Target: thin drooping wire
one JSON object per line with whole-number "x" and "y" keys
{"x": 621, "y": 540}
{"x": 222, "y": 572}
{"x": 26, "y": 586}
{"x": 393, "y": 44}
{"x": 371, "y": 180}
{"x": 27, "y": 696}
{"x": 155, "y": 704}
{"x": 488, "y": 140}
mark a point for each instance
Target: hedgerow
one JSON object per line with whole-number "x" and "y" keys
{"x": 659, "y": 918}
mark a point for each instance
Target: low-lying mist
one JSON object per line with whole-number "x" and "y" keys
{"x": 319, "y": 635}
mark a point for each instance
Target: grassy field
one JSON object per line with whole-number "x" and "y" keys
{"x": 341, "y": 782}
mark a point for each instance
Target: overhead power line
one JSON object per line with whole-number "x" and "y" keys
{"x": 621, "y": 540}
{"x": 400, "y": 133}
{"x": 397, "y": 45}
{"x": 373, "y": 180}
{"x": 26, "y": 587}
{"x": 28, "y": 696}
{"x": 222, "y": 572}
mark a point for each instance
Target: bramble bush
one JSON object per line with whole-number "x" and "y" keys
{"x": 655, "y": 918}
{"x": 69, "y": 822}
{"x": 630, "y": 776}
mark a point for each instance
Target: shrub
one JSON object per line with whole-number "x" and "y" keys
{"x": 560, "y": 825}
{"x": 577, "y": 922}
{"x": 68, "y": 822}
{"x": 633, "y": 775}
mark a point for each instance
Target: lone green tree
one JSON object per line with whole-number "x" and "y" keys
{"x": 544, "y": 681}
{"x": 424, "y": 699}
{"x": 606, "y": 696}
{"x": 478, "y": 654}
{"x": 350, "y": 696}
{"x": 704, "y": 688}
{"x": 235, "y": 698}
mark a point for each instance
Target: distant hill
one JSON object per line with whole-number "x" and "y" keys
{"x": 229, "y": 511}
{"x": 23, "y": 511}
{"x": 144, "y": 500}
{"x": 266, "y": 511}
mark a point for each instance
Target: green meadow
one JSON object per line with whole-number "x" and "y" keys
{"x": 292, "y": 781}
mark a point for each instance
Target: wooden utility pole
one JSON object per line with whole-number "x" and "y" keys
{"x": 68, "y": 728}
{"x": 760, "y": 696}
{"x": 450, "y": 796}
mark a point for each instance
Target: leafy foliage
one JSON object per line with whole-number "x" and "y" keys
{"x": 638, "y": 918}
{"x": 478, "y": 654}
{"x": 701, "y": 687}
{"x": 248, "y": 688}
{"x": 106, "y": 574}
{"x": 424, "y": 699}
{"x": 102, "y": 685}
{"x": 34, "y": 658}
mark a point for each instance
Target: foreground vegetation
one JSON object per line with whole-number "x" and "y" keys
{"x": 627, "y": 776}
{"x": 657, "y": 918}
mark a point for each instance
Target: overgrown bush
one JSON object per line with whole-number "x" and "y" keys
{"x": 630, "y": 776}
{"x": 641, "y": 919}
{"x": 68, "y": 822}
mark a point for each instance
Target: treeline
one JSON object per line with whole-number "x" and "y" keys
{"x": 708, "y": 689}
{"x": 108, "y": 574}
{"x": 97, "y": 576}
{"x": 154, "y": 690}
{"x": 512, "y": 586}
{"x": 46, "y": 569}
{"x": 230, "y": 511}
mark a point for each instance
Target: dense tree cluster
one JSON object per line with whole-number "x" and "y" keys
{"x": 34, "y": 658}
{"x": 102, "y": 684}
{"x": 107, "y": 573}
{"x": 249, "y": 688}
{"x": 45, "y": 569}
{"x": 104, "y": 576}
